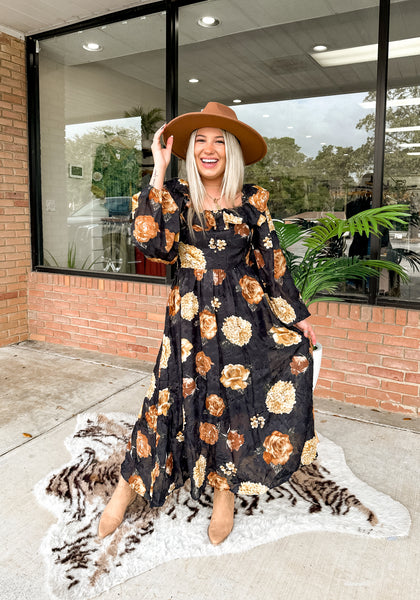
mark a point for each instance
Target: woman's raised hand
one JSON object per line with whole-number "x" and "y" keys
{"x": 161, "y": 156}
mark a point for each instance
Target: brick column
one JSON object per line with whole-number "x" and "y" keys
{"x": 15, "y": 249}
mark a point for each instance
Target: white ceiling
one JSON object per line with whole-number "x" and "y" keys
{"x": 260, "y": 51}
{"x": 35, "y": 16}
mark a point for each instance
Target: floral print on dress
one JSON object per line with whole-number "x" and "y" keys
{"x": 215, "y": 405}
{"x": 299, "y": 364}
{"x": 230, "y": 400}
{"x": 186, "y": 348}
{"x": 203, "y": 363}
{"x": 284, "y": 336}
{"x": 163, "y": 402}
{"x": 208, "y": 324}
{"x": 146, "y": 228}
{"x": 237, "y": 330}
{"x": 235, "y": 377}
{"x": 217, "y": 481}
{"x": 277, "y": 448}
{"x": 191, "y": 257}
{"x": 189, "y": 306}
{"x": 251, "y": 289}
{"x": 281, "y": 398}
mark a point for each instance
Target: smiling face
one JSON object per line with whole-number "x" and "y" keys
{"x": 210, "y": 155}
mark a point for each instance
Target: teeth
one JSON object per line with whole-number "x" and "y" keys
{"x": 209, "y": 160}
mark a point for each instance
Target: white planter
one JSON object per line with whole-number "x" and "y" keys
{"x": 317, "y": 355}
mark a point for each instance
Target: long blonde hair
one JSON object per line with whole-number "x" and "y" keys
{"x": 233, "y": 177}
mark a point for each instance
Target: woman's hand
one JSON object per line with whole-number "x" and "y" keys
{"x": 161, "y": 158}
{"x": 307, "y": 330}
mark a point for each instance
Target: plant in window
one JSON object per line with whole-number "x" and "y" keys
{"x": 323, "y": 268}
{"x": 149, "y": 119}
{"x": 71, "y": 259}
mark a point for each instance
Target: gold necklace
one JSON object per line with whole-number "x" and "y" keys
{"x": 215, "y": 201}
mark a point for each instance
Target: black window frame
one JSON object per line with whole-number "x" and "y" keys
{"x": 171, "y": 7}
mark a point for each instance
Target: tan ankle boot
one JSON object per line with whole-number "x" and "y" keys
{"x": 114, "y": 511}
{"x": 221, "y": 523}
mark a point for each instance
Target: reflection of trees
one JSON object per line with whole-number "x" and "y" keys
{"x": 118, "y": 162}
{"x": 111, "y": 164}
{"x": 282, "y": 171}
{"x": 298, "y": 183}
{"x": 397, "y": 163}
{"x": 401, "y": 170}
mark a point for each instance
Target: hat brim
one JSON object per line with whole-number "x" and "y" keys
{"x": 252, "y": 143}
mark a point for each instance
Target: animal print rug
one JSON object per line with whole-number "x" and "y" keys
{"x": 324, "y": 496}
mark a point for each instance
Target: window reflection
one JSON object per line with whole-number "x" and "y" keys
{"x": 319, "y": 162}
{"x": 105, "y": 161}
{"x": 402, "y": 180}
{"x": 98, "y": 112}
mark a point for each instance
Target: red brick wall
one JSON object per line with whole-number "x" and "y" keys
{"x": 116, "y": 317}
{"x": 15, "y": 250}
{"x": 371, "y": 355}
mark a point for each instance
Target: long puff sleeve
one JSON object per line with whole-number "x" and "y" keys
{"x": 156, "y": 223}
{"x": 278, "y": 284}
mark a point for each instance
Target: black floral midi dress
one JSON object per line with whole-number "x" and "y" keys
{"x": 230, "y": 399}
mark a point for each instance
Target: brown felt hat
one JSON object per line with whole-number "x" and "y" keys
{"x": 217, "y": 115}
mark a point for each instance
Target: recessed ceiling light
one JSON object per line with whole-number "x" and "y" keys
{"x": 290, "y": 127}
{"x": 319, "y": 48}
{"x": 397, "y": 129}
{"x": 308, "y": 136}
{"x": 323, "y": 143}
{"x": 208, "y": 21}
{"x": 92, "y": 47}
{"x": 237, "y": 101}
{"x": 265, "y": 116}
{"x": 361, "y": 54}
{"x": 193, "y": 80}
{"x": 390, "y": 103}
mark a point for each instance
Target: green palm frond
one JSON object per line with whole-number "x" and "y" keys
{"x": 293, "y": 262}
{"x": 149, "y": 119}
{"x": 367, "y": 222}
{"x": 400, "y": 254}
{"x": 288, "y": 233}
{"x": 326, "y": 275}
{"x": 323, "y": 267}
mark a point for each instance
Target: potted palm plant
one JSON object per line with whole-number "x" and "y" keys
{"x": 323, "y": 268}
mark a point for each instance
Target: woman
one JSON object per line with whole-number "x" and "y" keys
{"x": 230, "y": 401}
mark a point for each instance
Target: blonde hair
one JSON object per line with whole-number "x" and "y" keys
{"x": 233, "y": 177}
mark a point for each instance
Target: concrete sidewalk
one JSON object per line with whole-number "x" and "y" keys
{"x": 42, "y": 389}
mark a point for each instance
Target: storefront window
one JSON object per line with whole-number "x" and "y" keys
{"x": 304, "y": 74}
{"x": 402, "y": 142}
{"x": 102, "y": 96}
{"x": 300, "y": 77}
